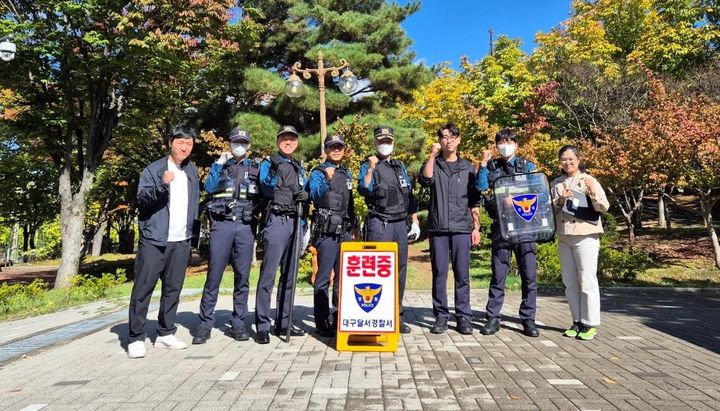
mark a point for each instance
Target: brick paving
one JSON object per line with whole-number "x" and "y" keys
{"x": 655, "y": 350}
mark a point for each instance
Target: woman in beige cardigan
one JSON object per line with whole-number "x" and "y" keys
{"x": 578, "y": 201}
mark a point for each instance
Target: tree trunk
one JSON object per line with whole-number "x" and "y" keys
{"x": 33, "y": 231}
{"x": 72, "y": 222}
{"x": 661, "y": 209}
{"x": 706, "y": 204}
{"x": 637, "y": 217}
{"x": 631, "y": 233}
{"x": 97, "y": 240}
{"x": 14, "y": 246}
{"x": 26, "y": 239}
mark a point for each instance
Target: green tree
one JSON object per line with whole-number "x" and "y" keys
{"x": 83, "y": 65}
{"x": 502, "y": 82}
{"x": 366, "y": 34}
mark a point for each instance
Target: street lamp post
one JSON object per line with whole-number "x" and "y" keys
{"x": 294, "y": 87}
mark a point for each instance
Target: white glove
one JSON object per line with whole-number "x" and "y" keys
{"x": 414, "y": 232}
{"x": 224, "y": 157}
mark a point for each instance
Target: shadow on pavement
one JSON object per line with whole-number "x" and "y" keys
{"x": 690, "y": 316}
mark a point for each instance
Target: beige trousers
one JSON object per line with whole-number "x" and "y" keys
{"x": 578, "y": 264}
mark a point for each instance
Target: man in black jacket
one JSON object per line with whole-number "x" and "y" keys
{"x": 168, "y": 199}
{"x": 453, "y": 225}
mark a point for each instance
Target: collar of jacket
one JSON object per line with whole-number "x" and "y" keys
{"x": 443, "y": 164}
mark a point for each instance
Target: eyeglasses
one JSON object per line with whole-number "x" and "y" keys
{"x": 335, "y": 147}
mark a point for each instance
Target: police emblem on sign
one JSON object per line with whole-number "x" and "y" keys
{"x": 525, "y": 206}
{"x": 368, "y": 295}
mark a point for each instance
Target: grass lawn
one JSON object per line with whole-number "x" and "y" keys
{"x": 675, "y": 266}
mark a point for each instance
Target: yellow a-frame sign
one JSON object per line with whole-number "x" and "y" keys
{"x": 368, "y": 312}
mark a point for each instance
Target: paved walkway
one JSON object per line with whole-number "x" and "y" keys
{"x": 656, "y": 350}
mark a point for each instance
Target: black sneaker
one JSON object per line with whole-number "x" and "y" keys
{"x": 464, "y": 326}
{"x": 238, "y": 333}
{"x": 262, "y": 337}
{"x": 529, "y": 328}
{"x": 404, "y": 328}
{"x": 440, "y": 326}
{"x": 295, "y": 331}
{"x": 201, "y": 336}
{"x": 491, "y": 327}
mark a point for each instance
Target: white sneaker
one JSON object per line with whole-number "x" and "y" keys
{"x": 136, "y": 349}
{"x": 171, "y": 342}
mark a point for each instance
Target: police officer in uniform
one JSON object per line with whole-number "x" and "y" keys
{"x": 387, "y": 189}
{"x": 453, "y": 224}
{"x": 525, "y": 253}
{"x": 333, "y": 221}
{"x": 233, "y": 187}
{"x": 283, "y": 182}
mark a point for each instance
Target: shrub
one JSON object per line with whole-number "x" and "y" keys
{"x": 98, "y": 287}
{"x": 548, "y": 263}
{"x": 17, "y": 297}
{"x": 622, "y": 265}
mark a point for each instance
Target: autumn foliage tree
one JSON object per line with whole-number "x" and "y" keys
{"x": 81, "y": 65}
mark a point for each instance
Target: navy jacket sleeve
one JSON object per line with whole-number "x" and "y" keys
{"x": 424, "y": 181}
{"x": 151, "y": 189}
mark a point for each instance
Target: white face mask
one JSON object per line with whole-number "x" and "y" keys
{"x": 238, "y": 150}
{"x": 385, "y": 149}
{"x": 507, "y": 150}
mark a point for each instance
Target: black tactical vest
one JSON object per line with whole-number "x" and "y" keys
{"x": 390, "y": 198}
{"x": 236, "y": 191}
{"x": 337, "y": 198}
{"x": 290, "y": 178}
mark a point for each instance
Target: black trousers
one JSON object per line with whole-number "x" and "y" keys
{"x": 328, "y": 255}
{"x": 154, "y": 262}
{"x": 455, "y": 248}
{"x": 230, "y": 241}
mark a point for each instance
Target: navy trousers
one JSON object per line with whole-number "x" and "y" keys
{"x": 525, "y": 255}
{"x": 230, "y": 242}
{"x": 328, "y": 256}
{"x": 277, "y": 243}
{"x": 378, "y": 230}
{"x": 152, "y": 262}
{"x": 445, "y": 248}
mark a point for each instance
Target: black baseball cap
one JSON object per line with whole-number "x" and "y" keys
{"x": 239, "y": 136}
{"x": 286, "y": 130}
{"x": 334, "y": 140}
{"x": 383, "y": 132}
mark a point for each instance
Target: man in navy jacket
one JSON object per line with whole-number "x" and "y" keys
{"x": 168, "y": 199}
{"x": 453, "y": 225}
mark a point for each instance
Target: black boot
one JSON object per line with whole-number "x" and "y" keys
{"x": 530, "y": 329}
{"x": 440, "y": 326}
{"x": 491, "y": 327}
{"x": 201, "y": 336}
{"x": 464, "y": 326}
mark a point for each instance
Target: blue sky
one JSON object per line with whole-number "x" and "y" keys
{"x": 445, "y": 30}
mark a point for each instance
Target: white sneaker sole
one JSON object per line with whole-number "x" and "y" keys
{"x": 169, "y": 347}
